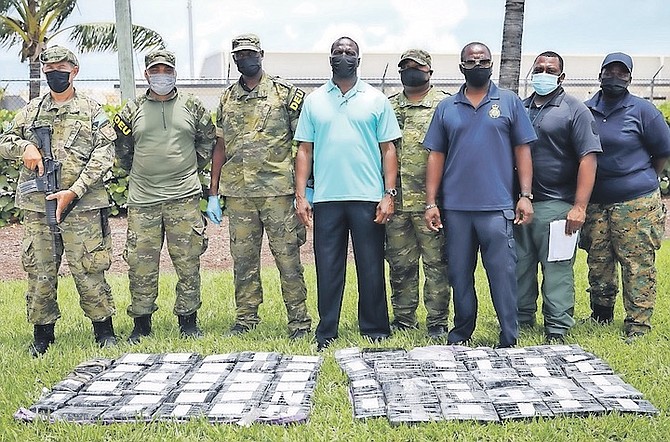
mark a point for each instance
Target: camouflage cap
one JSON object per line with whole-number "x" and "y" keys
{"x": 160, "y": 56}
{"x": 54, "y": 54}
{"x": 418, "y": 55}
{"x": 246, "y": 42}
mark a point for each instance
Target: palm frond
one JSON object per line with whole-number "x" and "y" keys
{"x": 57, "y": 11}
{"x": 91, "y": 37}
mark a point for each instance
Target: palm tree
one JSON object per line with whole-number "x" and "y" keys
{"x": 510, "y": 57}
{"x": 33, "y": 23}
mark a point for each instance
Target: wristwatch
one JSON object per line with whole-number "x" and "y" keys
{"x": 392, "y": 192}
{"x": 526, "y": 195}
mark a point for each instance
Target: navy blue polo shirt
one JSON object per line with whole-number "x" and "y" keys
{"x": 566, "y": 132}
{"x": 479, "y": 147}
{"x": 632, "y": 133}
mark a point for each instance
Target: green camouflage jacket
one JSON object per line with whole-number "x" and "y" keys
{"x": 82, "y": 140}
{"x": 257, "y": 128}
{"x": 413, "y": 119}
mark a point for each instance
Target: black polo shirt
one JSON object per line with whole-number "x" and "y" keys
{"x": 566, "y": 132}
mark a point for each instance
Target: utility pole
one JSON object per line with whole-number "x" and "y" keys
{"x": 124, "y": 44}
{"x": 189, "y": 6}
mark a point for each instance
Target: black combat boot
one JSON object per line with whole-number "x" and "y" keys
{"x": 104, "y": 333}
{"x": 602, "y": 314}
{"x": 142, "y": 328}
{"x": 188, "y": 326}
{"x": 43, "y": 337}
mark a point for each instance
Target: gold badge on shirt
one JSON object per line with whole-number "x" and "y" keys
{"x": 494, "y": 112}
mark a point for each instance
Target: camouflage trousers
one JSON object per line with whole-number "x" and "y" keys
{"x": 627, "y": 233}
{"x": 87, "y": 244}
{"x": 248, "y": 219}
{"x": 407, "y": 240}
{"x": 182, "y": 225}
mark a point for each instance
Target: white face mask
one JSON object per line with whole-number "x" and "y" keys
{"x": 162, "y": 84}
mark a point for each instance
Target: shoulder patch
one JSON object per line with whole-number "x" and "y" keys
{"x": 121, "y": 125}
{"x": 107, "y": 131}
{"x": 297, "y": 99}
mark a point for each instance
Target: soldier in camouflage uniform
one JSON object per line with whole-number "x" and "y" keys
{"x": 407, "y": 237}
{"x": 626, "y": 217}
{"x": 81, "y": 139}
{"x": 164, "y": 138}
{"x": 252, "y": 166}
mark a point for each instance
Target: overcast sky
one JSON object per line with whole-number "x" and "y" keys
{"x": 442, "y": 26}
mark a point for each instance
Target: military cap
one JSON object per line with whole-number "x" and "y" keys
{"x": 621, "y": 58}
{"x": 246, "y": 42}
{"x": 54, "y": 54}
{"x": 160, "y": 56}
{"x": 418, "y": 55}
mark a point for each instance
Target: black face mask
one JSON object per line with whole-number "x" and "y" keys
{"x": 477, "y": 77}
{"x": 249, "y": 66}
{"x": 613, "y": 87}
{"x": 344, "y": 66}
{"x": 414, "y": 77}
{"x": 58, "y": 81}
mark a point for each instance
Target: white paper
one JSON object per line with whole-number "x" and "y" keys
{"x": 610, "y": 389}
{"x": 569, "y": 404}
{"x": 235, "y": 396}
{"x": 295, "y": 376}
{"x": 181, "y": 410}
{"x": 540, "y": 371}
{"x": 449, "y": 375}
{"x": 561, "y": 246}
{"x": 469, "y": 409}
{"x": 563, "y": 393}
{"x": 465, "y": 395}
{"x": 516, "y": 395}
{"x": 227, "y": 409}
{"x": 526, "y": 409}
{"x": 628, "y": 404}
{"x": 191, "y": 397}
{"x": 150, "y": 386}
{"x": 145, "y": 399}
{"x": 584, "y": 367}
{"x": 484, "y": 364}
{"x": 370, "y": 403}
{"x": 177, "y": 357}
{"x": 458, "y": 386}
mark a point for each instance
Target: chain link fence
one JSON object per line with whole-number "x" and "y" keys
{"x": 106, "y": 91}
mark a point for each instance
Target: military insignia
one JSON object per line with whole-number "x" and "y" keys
{"x": 121, "y": 125}
{"x": 295, "y": 103}
{"x": 494, "y": 112}
{"x": 108, "y": 132}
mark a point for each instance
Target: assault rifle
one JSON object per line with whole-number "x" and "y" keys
{"x": 48, "y": 183}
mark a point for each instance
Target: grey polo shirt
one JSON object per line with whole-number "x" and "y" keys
{"x": 566, "y": 132}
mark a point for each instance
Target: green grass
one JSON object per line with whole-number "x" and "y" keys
{"x": 645, "y": 364}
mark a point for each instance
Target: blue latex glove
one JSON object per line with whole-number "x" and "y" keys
{"x": 214, "y": 209}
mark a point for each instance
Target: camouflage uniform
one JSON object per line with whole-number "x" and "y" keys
{"x": 163, "y": 144}
{"x": 257, "y": 181}
{"x": 407, "y": 237}
{"x": 82, "y": 140}
{"x": 629, "y": 233}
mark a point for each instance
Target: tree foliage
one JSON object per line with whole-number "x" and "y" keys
{"x": 33, "y": 23}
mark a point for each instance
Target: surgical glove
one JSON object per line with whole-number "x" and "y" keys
{"x": 214, "y": 209}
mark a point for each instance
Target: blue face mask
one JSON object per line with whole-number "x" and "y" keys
{"x": 544, "y": 84}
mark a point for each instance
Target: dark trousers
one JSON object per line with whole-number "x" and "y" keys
{"x": 492, "y": 233}
{"x": 333, "y": 222}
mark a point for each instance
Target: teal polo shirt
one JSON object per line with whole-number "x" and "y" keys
{"x": 346, "y": 131}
